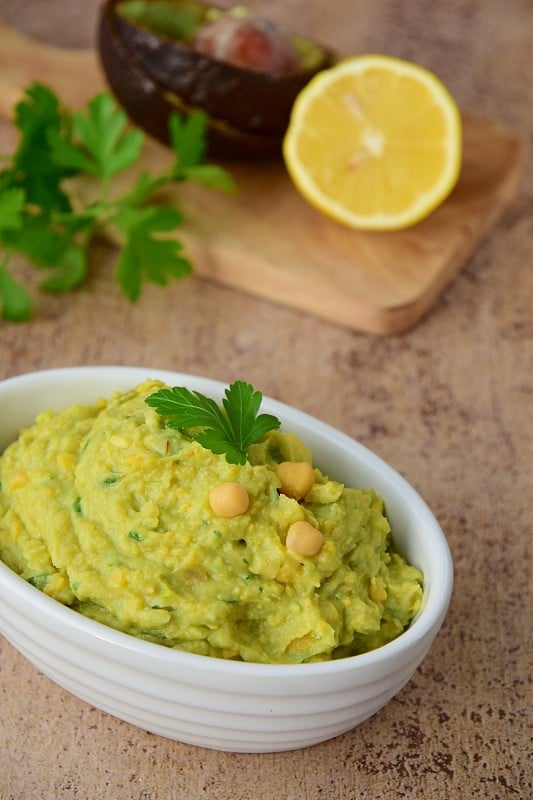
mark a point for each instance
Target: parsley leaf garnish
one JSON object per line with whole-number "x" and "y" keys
{"x": 187, "y": 140}
{"x": 229, "y": 430}
{"x": 11, "y": 207}
{"x": 40, "y": 213}
{"x": 189, "y": 143}
{"x": 15, "y": 302}
{"x": 38, "y": 117}
{"x": 145, "y": 255}
{"x": 105, "y": 147}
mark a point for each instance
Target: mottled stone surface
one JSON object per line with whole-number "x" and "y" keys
{"x": 448, "y": 404}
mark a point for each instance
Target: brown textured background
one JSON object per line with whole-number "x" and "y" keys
{"x": 449, "y": 404}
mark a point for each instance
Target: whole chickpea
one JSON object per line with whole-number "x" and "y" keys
{"x": 229, "y": 499}
{"x": 304, "y": 538}
{"x": 297, "y": 478}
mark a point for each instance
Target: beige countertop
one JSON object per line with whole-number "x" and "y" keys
{"x": 448, "y": 404}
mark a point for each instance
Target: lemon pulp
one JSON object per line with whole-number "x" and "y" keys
{"x": 374, "y": 142}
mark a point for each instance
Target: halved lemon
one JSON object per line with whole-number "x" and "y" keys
{"x": 374, "y": 142}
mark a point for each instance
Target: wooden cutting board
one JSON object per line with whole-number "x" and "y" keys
{"x": 267, "y": 240}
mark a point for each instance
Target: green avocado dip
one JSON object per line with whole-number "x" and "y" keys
{"x": 109, "y": 510}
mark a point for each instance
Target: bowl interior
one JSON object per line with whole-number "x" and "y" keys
{"x": 415, "y": 531}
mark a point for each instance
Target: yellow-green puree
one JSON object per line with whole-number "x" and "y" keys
{"x": 106, "y": 509}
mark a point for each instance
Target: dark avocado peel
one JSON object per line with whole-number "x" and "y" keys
{"x": 148, "y": 55}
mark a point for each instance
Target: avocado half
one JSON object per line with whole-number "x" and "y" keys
{"x": 152, "y": 70}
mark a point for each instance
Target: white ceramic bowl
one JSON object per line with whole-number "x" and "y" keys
{"x": 226, "y": 705}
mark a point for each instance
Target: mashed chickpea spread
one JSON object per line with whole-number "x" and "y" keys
{"x": 108, "y": 510}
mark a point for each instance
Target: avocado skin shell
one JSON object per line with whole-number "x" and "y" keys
{"x": 150, "y": 75}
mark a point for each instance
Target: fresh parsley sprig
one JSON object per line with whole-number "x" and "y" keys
{"x": 40, "y": 217}
{"x": 229, "y": 430}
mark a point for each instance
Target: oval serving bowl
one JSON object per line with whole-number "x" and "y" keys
{"x": 225, "y": 705}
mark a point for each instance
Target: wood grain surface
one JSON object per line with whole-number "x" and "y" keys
{"x": 267, "y": 240}
{"x": 447, "y": 403}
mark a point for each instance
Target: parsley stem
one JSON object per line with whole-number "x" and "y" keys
{"x": 106, "y": 183}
